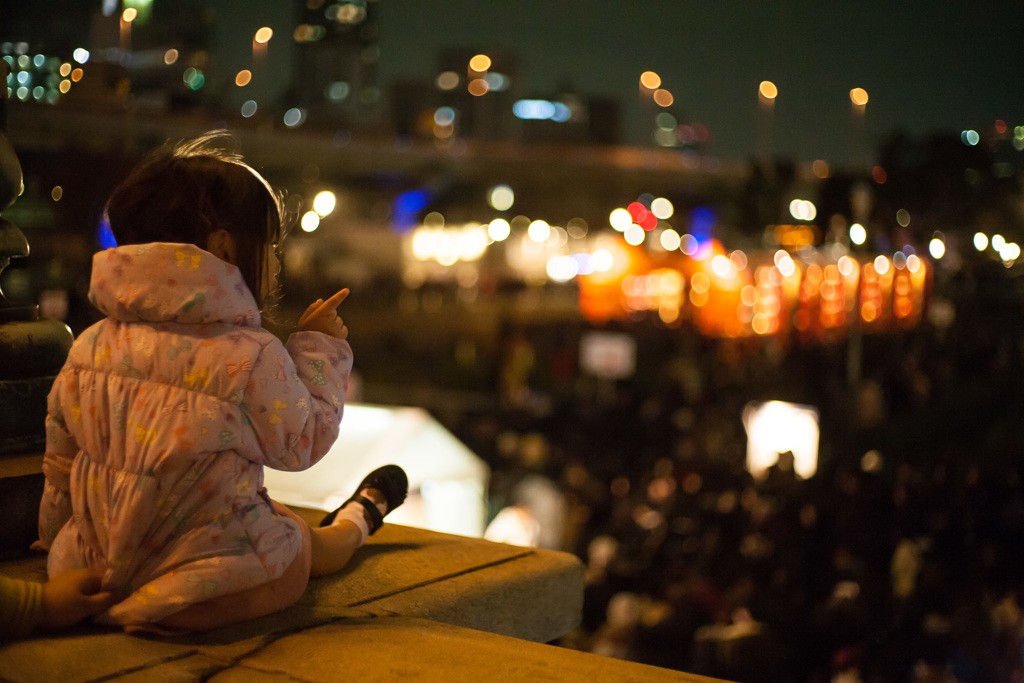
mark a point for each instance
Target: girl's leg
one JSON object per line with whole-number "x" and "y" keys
{"x": 333, "y": 545}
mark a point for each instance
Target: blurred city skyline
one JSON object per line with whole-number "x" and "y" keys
{"x": 927, "y": 68}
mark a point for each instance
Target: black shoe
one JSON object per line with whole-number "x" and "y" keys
{"x": 390, "y": 480}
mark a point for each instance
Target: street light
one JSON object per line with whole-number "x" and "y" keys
{"x": 859, "y": 99}
{"x": 766, "y": 94}
{"x": 127, "y": 17}
{"x": 259, "y": 45}
{"x": 650, "y": 80}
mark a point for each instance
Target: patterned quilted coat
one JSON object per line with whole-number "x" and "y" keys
{"x": 161, "y": 422}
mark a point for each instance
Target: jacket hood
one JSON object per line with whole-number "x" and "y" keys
{"x": 165, "y": 282}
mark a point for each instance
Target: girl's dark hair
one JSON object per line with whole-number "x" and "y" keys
{"x": 184, "y": 192}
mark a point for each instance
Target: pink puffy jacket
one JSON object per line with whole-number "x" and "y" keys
{"x": 160, "y": 424}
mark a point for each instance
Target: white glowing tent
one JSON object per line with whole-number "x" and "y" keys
{"x": 774, "y": 427}
{"x": 447, "y": 481}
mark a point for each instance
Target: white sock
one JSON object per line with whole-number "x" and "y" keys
{"x": 353, "y": 512}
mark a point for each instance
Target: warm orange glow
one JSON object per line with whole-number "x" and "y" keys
{"x": 480, "y": 63}
{"x": 650, "y": 80}
{"x": 129, "y": 15}
{"x": 263, "y": 35}
{"x": 859, "y": 96}
{"x": 820, "y": 169}
{"x": 243, "y": 77}
{"x": 726, "y": 297}
{"x": 795, "y": 236}
{"x": 663, "y": 98}
{"x": 761, "y": 323}
{"x": 768, "y": 90}
{"x": 478, "y": 87}
{"x": 76, "y": 75}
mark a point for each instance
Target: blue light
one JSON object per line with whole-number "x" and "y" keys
{"x": 561, "y": 113}
{"x": 444, "y": 116}
{"x": 406, "y": 207}
{"x": 533, "y": 109}
{"x": 702, "y": 221}
{"x": 104, "y": 235}
{"x": 412, "y": 201}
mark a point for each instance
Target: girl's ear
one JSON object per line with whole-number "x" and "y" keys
{"x": 222, "y": 245}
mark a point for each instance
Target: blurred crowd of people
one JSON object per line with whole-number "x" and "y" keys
{"x": 900, "y": 559}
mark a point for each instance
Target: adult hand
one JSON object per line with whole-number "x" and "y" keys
{"x": 322, "y": 316}
{"x": 72, "y": 596}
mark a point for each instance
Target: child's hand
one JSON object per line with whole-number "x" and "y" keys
{"x": 71, "y": 597}
{"x": 322, "y": 316}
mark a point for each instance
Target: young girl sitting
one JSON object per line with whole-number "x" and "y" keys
{"x": 163, "y": 417}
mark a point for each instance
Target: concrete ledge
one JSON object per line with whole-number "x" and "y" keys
{"x": 512, "y": 591}
{"x": 520, "y": 592}
{"x": 404, "y": 648}
{"x": 343, "y": 647}
{"x": 413, "y": 603}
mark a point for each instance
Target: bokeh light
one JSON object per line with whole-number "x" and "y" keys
{"x": 480, "y": 63}
{"x": 859, "y": 96}
{"x": 539, "y": 230}
{"x": 663, "y": 98}
{"x": 294, "y": 117}
{"x": 802, "y": 210}
{"x": 447, "y": 80}
{"x": 620, "y": 219}
{"x": 662, "y": 208}
{"x": 634, "y": 235}
{"x": 650, "y": 80}
{"x": 858, "y": 234}
{"x": 499, "y": 229}
{"x": 670, "y": 240}
{"x": 324, "y": 203}
{"x": 768, "y": 90}
{"x": 501, "y": 197}
{"x": 310, "y": 221}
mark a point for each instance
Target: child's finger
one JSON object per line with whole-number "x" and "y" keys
{"x": 338, "y": 297}
{"x": 310, "y": 311}
{"x": 329, "y": 308}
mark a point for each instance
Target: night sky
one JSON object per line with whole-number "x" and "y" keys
{"x": 928, "y": 65}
